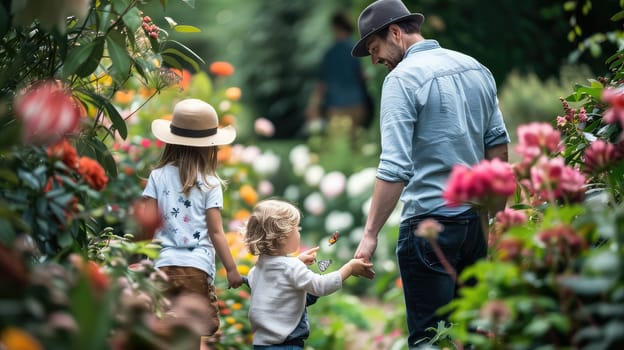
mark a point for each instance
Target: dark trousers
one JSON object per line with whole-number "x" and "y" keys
{"x": 426, "y": 284}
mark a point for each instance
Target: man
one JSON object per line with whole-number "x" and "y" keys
{"x": 438, "y": 108}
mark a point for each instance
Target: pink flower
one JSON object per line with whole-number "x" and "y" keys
{"x": 551, "y": 179}
{"x": 563, "y": 239}
{"x": 510, "y": 217}
{"x": 47, "y": 112}
{"x": 598, "y": 156}
{"x": 146, "y": 143}
{"x": 537, "y": 138}
{"x": 429, "y": 229}
{"x": 485, "y": 180}
{"x": 614, "y": 97}
{"x": 264, "y": 127}
{"x": 582, "y": 115}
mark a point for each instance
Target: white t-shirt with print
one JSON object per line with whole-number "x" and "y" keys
{"x": 184, "y": 233}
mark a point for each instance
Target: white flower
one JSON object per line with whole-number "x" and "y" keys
{"x": 333, "y": 184}
{"x": 266, "y": 164}
{"x": 300, "y": 158}
{"x": 291, "y": 193}
{"x": 250, "y": 154}
{"x": 265, "y": 188}
{"x": 264, "y": 127}
{"x": 338, "y": 221}
{"x": 313, "y": 175}
{"x": 361, "y": 182}
{"x": 237, "y": 153}
{"x": 225, "y": 105}
{"x": 356, "y": 234}
{"x": 314, "y": 204}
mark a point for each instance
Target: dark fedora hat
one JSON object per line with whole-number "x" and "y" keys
{"x": 378, "y": 16}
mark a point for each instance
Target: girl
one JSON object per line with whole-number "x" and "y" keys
{"x": 188, "y": 192}
{"x": 280, "y": 283}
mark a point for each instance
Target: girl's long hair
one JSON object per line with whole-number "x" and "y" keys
{"x": 191, "y": 161}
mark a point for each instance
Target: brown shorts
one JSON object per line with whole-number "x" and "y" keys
{"x": 189, "y": 280}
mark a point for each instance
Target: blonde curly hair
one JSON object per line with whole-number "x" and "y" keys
{"x": 269, "y": 225}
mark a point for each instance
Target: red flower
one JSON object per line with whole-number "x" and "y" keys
{"x": 93, "y": 173}
{"x": 221, "y": 68}
{"x": 148, "y": 217}
{"x": 47, "y": 112}
{"x": 65, "y": 152}
{"x": 97, "y": 277}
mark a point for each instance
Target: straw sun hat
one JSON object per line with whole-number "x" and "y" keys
{"x": 194, "y": 123}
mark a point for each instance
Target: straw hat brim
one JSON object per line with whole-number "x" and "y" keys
{"x": 161, "y": 128}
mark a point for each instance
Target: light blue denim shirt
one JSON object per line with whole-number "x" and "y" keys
{"x": 438, "y": 108}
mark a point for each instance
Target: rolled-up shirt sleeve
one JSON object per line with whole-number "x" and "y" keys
{"x": 496, "y": 132}
{"x": 398, "y": 117}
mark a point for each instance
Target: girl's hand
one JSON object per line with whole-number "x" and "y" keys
{"x": 234, "y": 279}
{"x": 308, "y": 256}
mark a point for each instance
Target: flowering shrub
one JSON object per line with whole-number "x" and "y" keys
{"x": 553, "y": 277}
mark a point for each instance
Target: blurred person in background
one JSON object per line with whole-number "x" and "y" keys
{"x": 340, "y": 90}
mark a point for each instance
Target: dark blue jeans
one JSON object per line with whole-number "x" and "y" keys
{"x": 426, "y": 284}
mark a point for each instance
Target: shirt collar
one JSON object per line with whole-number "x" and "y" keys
{"x": 423, "y": 45}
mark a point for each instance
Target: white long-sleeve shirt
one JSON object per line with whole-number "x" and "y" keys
{"x": 278, "y": 295}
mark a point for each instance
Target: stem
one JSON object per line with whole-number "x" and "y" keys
{"x": 447, "y": 266}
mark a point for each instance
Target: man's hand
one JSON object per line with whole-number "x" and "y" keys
{"x": 365, "y": 251}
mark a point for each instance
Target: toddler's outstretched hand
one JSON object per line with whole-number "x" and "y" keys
{"x": 308, "y": 256}
{"x": 359, "y": 267}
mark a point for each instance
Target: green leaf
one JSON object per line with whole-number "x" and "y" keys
{"x": 177, "y": 55}
{"x": 83, "y": 60}
{"x": 537, "y": 327}
{"x": 133, "y": 19}
{"x": 569, "y": 5}
{"x": 118, "y": 53}
{"x": 99, "y": 101}
{"x": 186, "y": 29}
{"x": 191, "y": 3}
{"x": 618, "y": 16}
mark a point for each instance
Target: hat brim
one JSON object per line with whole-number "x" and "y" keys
{"x": 360, "y": 49}
{"x": 161, "y": 128}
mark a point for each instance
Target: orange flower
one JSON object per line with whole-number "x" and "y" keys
{"x": 224, "y": 153}
{"x": 65, "y": 152}
{"x": 233, "y": 93}
{"x": 123, "y": 97}
{"x": 221, "y": 68}
{"x": 146, "y": 92}
{"x": 248, "y": 194}
{"x": 13, "y": 338}
{"x": 185, "y": 77}
{"x": 227, "y": 119}
{"x": 93, "y": 173}
{"x": 242, "y": 215}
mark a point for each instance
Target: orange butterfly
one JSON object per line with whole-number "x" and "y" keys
{"x": 334, "y": 238}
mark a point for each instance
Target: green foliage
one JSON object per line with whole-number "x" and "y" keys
{"x": 551, "y": 296}
{"x": 524, "y": 98}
